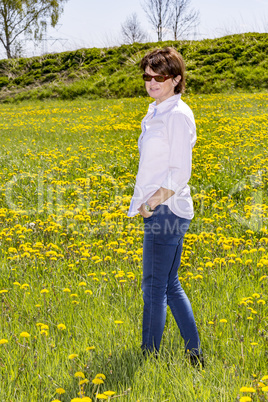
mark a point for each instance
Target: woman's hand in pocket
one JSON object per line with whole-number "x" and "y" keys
{"x": 144, "y": 212}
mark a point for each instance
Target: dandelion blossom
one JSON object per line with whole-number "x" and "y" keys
{"x": 100, "y": 375}
{"x": 223, "y": 320}
{"x": 60, "y": 391}
{"x": 97, "y": 381}
{"x": 61, "y": 326}
{"x": 73, "y": 356}
{"x": 85, "y": 381}
{"x": 90, "y": 348}
{"x": 3, "y": 341}
{"x": 247, "y": 389}
{"x": 24, "y": 335}
{"x": 79, "y": 374}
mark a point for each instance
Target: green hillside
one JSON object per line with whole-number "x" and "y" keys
{"x": 232, "y": 63}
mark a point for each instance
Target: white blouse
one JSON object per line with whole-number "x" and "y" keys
{"x": 165, "y": 147}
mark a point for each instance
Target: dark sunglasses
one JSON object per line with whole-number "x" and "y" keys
{"x": 158, "y": 78}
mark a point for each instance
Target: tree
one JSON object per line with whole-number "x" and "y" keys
{"x": 28, "y": 17}
{"x": 131, "y": 30}
{"x": 181, "y": 19}
{"x": 158, "y": 14}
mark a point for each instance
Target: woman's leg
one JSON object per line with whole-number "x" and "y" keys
{"x": 163, "y": 236}
{"x": 181, "y": 307}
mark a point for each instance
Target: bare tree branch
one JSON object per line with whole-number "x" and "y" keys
{"x": 158, "y": 14}
{"x": 182, "y": 19}
{"x": 131, "y": 30}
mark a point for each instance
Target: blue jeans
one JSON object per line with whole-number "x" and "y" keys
{"x": 162, "y": 248}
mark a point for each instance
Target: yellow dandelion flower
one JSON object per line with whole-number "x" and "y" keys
{"x": 265, "y": 389}
{"x": 85, "y": 381}
{"x": 3, "y": 291}
{"x": 87, "y": 291}
{"x": 100, "y": 375}
{"x": 56, "y": 400}
{"x": 249, "y": 318}
{"x": 247, "y": 389}
{"x": 261, "y": 301}
{"x": 76, "y": 400}
{"x": 72, "y": 356}
{"x": 86, "y": 399}
{"x": 254, "y": 343}
{"x": 245, "y": 399}
{"x": 3, "y": 341}
{"x": 79, "y": 374}
{"x": 118, "y": 322}
{"x": 97, "y": 381}
{"x": 109, "y": 393}
{"x": 67, "y": 290}
{"x": 90, "y": 348}
{"x": 211, "y": 322}
{"x": 261, "y": 384}
{"x": 44, "y": 291}
{"x": 101, "y": 396}
{"x": 60, "y": 391}
{"x": 264, "y": 378}
{"x": 24, "y": 335}
{"x": 223, "y": 320}
{"x": 61, "y": 326}
{"x": 263, "y": 277}
{"x": 82, "y": 284}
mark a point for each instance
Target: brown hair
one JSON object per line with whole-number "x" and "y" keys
{"x": 166, "y": 61}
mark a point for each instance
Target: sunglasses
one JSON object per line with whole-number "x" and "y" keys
{"x": 158, "y": 78}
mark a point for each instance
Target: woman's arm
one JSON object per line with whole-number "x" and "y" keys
{"x": 181, "y": 136}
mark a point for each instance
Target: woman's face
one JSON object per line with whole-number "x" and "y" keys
{"x": 160, "y": 91}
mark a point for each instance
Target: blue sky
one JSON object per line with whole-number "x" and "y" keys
{"x": 88, "y": 23}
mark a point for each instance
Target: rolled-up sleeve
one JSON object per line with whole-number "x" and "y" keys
{"x": 181, "y": 134}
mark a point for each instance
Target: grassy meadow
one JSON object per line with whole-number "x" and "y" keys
{"x": 71, "y": 260}
{"x": 227, "y": 64}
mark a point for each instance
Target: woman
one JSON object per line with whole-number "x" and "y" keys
{"x": 162, "y": 197}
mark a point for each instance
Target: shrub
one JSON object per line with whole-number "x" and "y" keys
{"x": 36, "y": 65}
{"x": 49, "y": 62}
{"x": 49, "y": 77}
{"x": 3, "y": 82}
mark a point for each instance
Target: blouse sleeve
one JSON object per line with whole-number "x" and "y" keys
{"x": 181, "y": 132}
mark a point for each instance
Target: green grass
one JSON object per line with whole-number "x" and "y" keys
{"x": 222, "y": 65}
{"x": 67, "y": 175}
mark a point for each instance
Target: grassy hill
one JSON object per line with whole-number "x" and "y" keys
{"x": 232, "y": 63}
